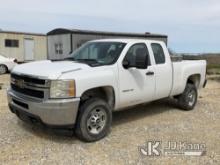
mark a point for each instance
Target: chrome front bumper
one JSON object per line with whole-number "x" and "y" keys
{"x": 52, "y": 112}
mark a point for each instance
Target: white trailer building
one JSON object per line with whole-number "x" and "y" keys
{"x": 62, "y": 42}
{"x": 23, "y": 46}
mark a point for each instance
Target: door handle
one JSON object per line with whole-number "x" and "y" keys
{"x": 150, "y": 73}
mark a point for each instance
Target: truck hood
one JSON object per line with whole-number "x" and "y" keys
{"x": 48, "y": 69}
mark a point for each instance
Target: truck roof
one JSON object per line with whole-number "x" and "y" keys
{"x": 125, "y": 40}
{"x": 106, "y": 33}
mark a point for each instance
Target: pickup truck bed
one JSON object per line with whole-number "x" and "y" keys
{"x": 187, "y": 68}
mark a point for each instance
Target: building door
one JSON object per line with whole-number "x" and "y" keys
{"x": 28, "y": 49}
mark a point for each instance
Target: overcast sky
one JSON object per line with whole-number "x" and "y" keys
{"x": 192, "y": 25}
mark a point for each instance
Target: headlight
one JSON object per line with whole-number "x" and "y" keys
{"x": 62, "y": 89}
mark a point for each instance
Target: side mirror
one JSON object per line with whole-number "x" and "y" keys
{"x": 125, "y": 64}
{"x": 141, "y": 61}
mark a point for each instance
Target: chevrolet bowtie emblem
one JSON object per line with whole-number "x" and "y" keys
{"x": 19, "y": 83}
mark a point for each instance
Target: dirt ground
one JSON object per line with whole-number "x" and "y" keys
{"x": 21, "y": 143}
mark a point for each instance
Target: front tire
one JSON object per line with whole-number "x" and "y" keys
{"x": 94, "y": 120}
{"x": 3, "y": 69}
{"x": 188, "y": 99}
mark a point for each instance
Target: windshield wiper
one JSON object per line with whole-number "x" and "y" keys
{"x": 70, "y": 58}
{"x": 90, "y": 62}
{"x": 87, "y": 60}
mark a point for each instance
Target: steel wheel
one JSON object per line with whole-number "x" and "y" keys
{"x": 93, "y": 120}
{"x": 191, "y": 97}
{"x": 187, "y": 100}
{"x": 3, "y": 69}
{"x": 96, "y": 120}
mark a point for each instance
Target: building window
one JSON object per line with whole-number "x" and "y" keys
{"x": 59, "y": 48}
{"x": 11, "y": 43}
{"x": 81, "y": 43}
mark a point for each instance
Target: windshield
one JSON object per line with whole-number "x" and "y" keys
{"x": 98, "y": 53}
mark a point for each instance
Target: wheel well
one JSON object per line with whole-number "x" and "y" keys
{"x": 106, "y": 93}
{"x": 194, "y": 79}
{"x": 5, "y": 66}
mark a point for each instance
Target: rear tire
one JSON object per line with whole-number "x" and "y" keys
{"x": 3, "y": 69}
{"x": 188, "y": 99}
{"x": 94, "y": 120}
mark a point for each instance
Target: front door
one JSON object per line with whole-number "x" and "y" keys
{"x": 28, "y": 49}
{"x": 136, "y": 85}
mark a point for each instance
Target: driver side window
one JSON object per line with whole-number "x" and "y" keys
{"x": 137, "y": 49}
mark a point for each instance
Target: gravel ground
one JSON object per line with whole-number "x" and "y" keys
{"x": 21, "y": 143}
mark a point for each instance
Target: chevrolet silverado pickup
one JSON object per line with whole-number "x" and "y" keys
{"x": 82, "y": 91}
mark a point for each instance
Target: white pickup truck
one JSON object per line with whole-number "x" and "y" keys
{"x": 101, "y": 77}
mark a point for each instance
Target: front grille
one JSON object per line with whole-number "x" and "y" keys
{"x": 28, "y": 79}
{"x": 29, "y": 92}
{"x": 29, "y": 86}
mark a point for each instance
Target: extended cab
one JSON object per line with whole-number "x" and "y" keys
{"x": 101, "y": 77}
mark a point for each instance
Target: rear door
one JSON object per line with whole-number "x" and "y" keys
{"x": 136, "y": 85}
{"x": 163, "y": 70}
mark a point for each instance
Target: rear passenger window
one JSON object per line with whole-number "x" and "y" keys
{"x": 158, "y": 53}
